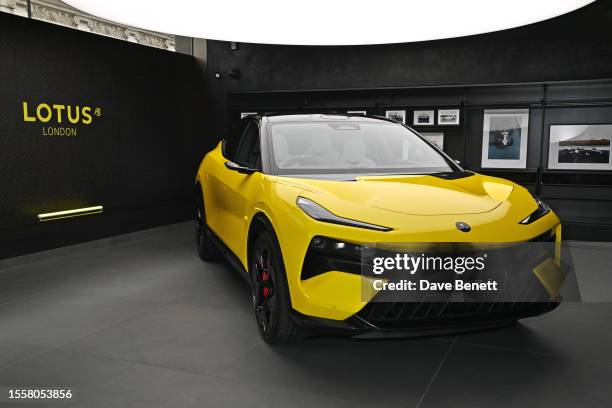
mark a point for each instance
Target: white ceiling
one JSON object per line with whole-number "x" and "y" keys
{"x": 326, "y": 22}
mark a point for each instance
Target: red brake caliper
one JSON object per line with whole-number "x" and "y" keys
{"x": 265, "y": 278}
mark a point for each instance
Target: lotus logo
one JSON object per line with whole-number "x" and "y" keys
{"x": 463, "y": 227}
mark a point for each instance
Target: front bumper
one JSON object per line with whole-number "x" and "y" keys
{"x": 335, "y": 302}
{"x": 384, "y": 320}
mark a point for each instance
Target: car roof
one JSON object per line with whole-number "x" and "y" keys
{"x": 324, "y": 117}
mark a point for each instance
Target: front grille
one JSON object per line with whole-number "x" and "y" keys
{"x": 393, "y": 315}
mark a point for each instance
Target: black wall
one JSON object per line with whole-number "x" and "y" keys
{"x": 138, "y": 159}
{"x": 559, "y": 69}
{"x": 572, "y": 47}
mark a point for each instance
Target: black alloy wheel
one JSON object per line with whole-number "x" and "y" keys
{"x": 264, "y": 298}
{"x": 271, "y": 301}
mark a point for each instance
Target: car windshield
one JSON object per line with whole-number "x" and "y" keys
{"x": 352, "y": 147}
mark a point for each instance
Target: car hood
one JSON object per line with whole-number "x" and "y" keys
{"x": 424, "y": 195}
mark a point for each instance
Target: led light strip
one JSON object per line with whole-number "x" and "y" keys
{"x": 70, "y": 213}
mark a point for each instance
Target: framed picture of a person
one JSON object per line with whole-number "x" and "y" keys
{"x": 399, "y": 115}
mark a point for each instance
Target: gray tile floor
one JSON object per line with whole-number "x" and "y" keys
{"x": 143, "y": 323}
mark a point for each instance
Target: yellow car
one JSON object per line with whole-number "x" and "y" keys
{"x": 291, "y": 199}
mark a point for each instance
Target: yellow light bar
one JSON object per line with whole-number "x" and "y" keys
{"x": 70, "y": 213}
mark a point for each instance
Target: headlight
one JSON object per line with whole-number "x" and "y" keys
{"x": 319, "y": 213}
{"x": 328, "y": 254}
{"x": 541, "y": 211}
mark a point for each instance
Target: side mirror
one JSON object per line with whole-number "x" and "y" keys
{"x": 239, "y": 168}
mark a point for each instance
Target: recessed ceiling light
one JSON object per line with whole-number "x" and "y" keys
{"x": 326, "y": 22}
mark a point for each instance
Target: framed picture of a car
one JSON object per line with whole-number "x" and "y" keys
{"x": 423, "y": 118}
{"x": 448, "y": 117}
{"x": 504, "y": 138}
{"x": 580, "y": 147}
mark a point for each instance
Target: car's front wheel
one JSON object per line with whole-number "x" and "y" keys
{"x": 271, "y": 301}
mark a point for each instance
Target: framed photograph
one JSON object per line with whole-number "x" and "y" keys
{"x": 504, "y": 138}
{"x": 423, "y": 118}
{"x": 399, "y": 115}
{"x": 448, "y": 117}
{"x": 579, "y": 147}
{"x": 357, "y": 112}
{"x": 245, "y": 114}
{"x": 436, "y": 138}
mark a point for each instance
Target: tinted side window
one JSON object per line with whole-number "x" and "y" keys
{"x": 230, "y": 142}
{"x": 248, "y": 151}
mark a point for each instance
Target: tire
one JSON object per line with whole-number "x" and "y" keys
{"x": 207, "y": 251}
{"x": 271, "y": 301}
